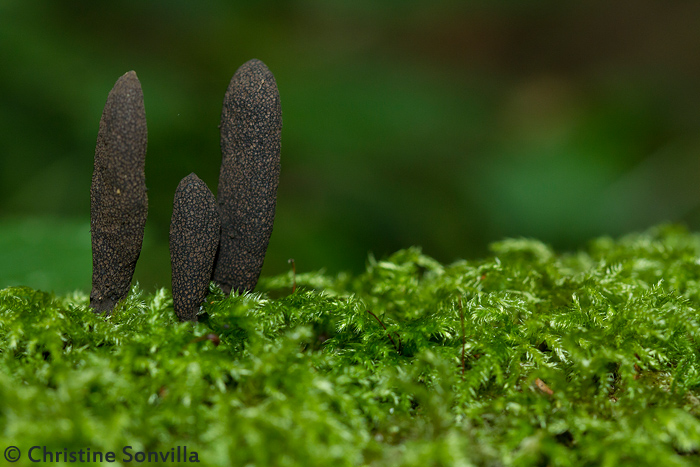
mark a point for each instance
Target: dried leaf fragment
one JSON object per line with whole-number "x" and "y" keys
{"x": 543, "y": 387}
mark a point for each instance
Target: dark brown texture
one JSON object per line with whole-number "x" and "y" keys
{"x": 194, "y": 238}
{"x": 251, "y": 125}
{"x": 118, "y": 200}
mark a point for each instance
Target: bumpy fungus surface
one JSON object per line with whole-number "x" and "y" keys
{"x": 194, "y": 238}
{"x": 251, "y": 125}
{"x": 118, "y": 200}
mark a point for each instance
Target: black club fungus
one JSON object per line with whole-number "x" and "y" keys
{"x": 194, "y": 238}
{"x": 118, "y": 200}
{"x": 251, "y": 125}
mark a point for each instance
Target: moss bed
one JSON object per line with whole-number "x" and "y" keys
{"x": 527, "y": 357}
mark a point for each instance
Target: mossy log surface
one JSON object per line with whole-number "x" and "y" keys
{"x": 527, "y": 357}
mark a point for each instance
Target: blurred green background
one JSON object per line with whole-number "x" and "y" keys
{"x": 444, "y": 124}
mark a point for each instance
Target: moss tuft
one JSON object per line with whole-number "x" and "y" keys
{"x": 527, "y": 357}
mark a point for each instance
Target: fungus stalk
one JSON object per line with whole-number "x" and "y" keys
{"x": 194, "y": 238}
{"x": 251, "y": 125}
{"x": 118, "y": 200}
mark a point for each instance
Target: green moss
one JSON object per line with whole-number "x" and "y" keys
{"x": 588, "y": 358}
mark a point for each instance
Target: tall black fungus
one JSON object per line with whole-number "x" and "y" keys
{"x": 194, "y": 238}
{"x": 118, "y": 200}
{"x": 251, "y": 125}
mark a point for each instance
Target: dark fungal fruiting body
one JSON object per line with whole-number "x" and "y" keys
{"x": 251, "y": 126}
{"x": 118, "y": 200}
{"x": 194, "y": 238}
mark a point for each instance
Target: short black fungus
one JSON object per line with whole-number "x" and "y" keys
{"x": 194, "y": 238}
{"x": 251, "y": 125}
{"x": 118, "y": 200}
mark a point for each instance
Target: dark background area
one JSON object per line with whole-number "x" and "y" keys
{"x": 444, "y": 124}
